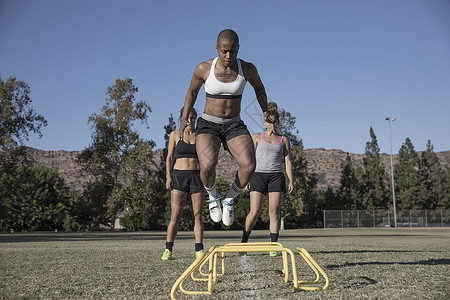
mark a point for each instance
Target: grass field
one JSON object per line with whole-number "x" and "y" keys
{"x": 360, "y": 263}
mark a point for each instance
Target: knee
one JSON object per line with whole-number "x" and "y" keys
{"x": 252, "y": 167}
{"x": 249, "y": 168}
{"x": 197, "y": 216}
{"x": 255, "y": 212}
{"x": 207, "y": 166}
{"x": 274, "y": 214}
{"x": 176, "y": 215}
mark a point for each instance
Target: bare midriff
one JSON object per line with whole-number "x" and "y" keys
{"x": 223, "y": 108}
{"x": 186, "y": 163}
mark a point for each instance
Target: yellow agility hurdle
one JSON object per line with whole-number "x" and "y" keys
{"x": 189, "y": 271}
{"x": 211, "y": 257}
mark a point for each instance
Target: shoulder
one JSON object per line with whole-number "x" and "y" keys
{"x": 249, "y": 70}
{"x": 206, "y": 65}
{"x": 203, "y": 68}
{"x": 256, "y": 136}
{"x": 247, "y": 66}
{"x": 175, "y": 134}
{"x": 286, "y": 141}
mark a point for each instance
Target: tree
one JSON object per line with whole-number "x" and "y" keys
{"x": 17, "y": 117}
{"x": 373, "y": 178}
{"x": 17, "y": 120}
{"x": 348, "y": 193}
{"x": 435, "y": 185}
{"x": 330, "y": 199}
{"x": 118, "y": 157}
{"x": 299, "y": 209}
{"x": 39, "y": 199}
{"x": 407, "y": 180}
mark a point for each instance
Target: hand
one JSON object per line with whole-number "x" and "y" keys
{"x": 183, "y": 125}
{"x": 169, "y": 184}
{"x": 290, "y": 188}
{"x": 247, "y": 187}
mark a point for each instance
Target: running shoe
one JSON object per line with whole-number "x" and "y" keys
{"x": 215, "y": 211}
{"x": 199, "y": 253}
{"x": 228, "y": 213}
{"x": 167, "y": 255}
{"x": 273, "y": 253}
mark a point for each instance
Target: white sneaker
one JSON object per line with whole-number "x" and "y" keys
{"x": 228, "y": 213}
{"x": 215, "y": 211}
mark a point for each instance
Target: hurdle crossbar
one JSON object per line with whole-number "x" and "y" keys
{"x": 211, "y": 257}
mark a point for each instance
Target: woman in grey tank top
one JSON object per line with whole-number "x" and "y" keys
{"x": 271, "y": 148}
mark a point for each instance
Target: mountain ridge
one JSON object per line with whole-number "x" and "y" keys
{"x": 326, "y": 164}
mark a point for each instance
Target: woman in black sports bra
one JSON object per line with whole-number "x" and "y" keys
{"x": 183, "y": 179}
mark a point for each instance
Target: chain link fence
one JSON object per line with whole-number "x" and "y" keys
{"x": 385, "y": 218}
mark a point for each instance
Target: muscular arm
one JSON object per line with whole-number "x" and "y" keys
{"x": 251, "y": 74}
{"x": 191, "y": 95}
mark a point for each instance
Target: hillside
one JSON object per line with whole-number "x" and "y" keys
{"x": 325, "y": 163}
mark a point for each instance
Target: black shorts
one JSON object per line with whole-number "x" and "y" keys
{"x": 187, "y": 181}
{"x": 223, "y": 131}
{"x": 268, "y": 182}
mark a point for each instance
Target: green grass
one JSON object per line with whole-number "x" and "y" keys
{"x": 360, "y": 263}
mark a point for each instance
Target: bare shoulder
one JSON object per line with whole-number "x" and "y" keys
{"x": 249, "y": 70}
{"x": 247, "y": 66}
{"x": 203, "y": 68}
{"x": 256, "y": 136}
{"x": 175, "y": 134}
{"x": 286, "y": 141}
{"x": 205, "y": 64}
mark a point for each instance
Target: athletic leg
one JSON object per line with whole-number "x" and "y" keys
{"x": 208, "y": 146}
{"x": 197, "y": 206}
{"x": 177, "y": 201}
{"x": 274, "y": 215}
{"x": 242, "y": 150}
{"x": 274, "y": 211}
{"x": 256, "y": 205}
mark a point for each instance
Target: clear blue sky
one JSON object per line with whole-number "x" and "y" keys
{"x": 339, "y": 67}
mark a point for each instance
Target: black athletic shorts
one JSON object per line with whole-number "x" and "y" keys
{"x": 268, "y": 182}
{"x": 223, "y": 131}
{"x": 187, "y": 181}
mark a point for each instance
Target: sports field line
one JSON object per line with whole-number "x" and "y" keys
{"x": 248, "y": 283}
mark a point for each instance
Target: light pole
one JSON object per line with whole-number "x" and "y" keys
{"x": 392, "y": 171}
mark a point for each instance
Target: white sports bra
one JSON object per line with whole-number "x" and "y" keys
{"x": 224, "y": 90}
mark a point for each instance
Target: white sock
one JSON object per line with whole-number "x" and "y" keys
{"x": 212, "y": 192}
{"x": 233, "y": 192}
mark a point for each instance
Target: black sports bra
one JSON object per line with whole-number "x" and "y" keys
{"x": 185, "y": 150}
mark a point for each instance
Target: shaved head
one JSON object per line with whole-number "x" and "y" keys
{"x": 228, "y": 35}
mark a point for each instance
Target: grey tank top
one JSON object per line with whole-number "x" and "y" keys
{"x": 269, "y": 157}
